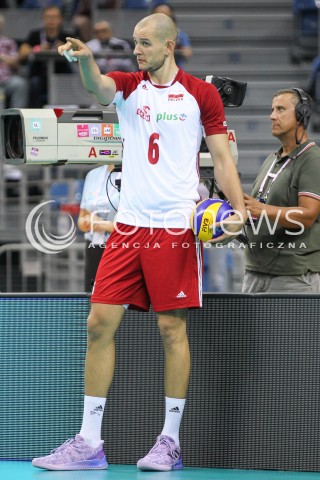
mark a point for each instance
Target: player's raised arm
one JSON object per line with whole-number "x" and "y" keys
{"x": 101, "y": 86}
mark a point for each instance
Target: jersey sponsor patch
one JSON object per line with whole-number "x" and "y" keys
{"x": 175, "y": 97}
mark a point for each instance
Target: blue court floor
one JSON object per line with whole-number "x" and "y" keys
{"x": 14, "y": 470}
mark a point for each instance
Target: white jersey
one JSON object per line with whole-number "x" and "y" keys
{"x": 162, "y": 128}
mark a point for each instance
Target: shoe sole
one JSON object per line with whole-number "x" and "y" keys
{"x": 71, "y": 467}
{"x": 159, "y": 468}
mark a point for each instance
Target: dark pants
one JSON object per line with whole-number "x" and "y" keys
{"x": 93, "y": 255}
{"x": 38, "y": 92}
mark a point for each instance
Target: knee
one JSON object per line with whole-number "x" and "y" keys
{"x": 97, "y": 327}
{"x": 103, "y": 324}
{"x": 172, "y": 330}
{"x": 165, "y": 327}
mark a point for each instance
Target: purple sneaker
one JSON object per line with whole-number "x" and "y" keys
{"x": 74, "y": 454}
{"x": 164, "y": 456}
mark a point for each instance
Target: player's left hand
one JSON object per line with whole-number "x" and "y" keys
{"x": 231, "y": 227}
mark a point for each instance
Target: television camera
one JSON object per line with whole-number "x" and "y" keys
{"x": 58, "y": 136}
{"x": 232, "y": 94}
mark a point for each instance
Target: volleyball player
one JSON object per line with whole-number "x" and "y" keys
{"x": 163, "y": 114}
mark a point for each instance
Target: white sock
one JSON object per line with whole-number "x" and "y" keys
{"x": 92, "y": 420}
{"x": 174, "y": 411}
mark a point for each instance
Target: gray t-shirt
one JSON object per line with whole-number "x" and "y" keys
{"x": 278, "y": 250}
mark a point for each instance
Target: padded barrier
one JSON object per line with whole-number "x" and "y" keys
{"x": 253, "y": 401}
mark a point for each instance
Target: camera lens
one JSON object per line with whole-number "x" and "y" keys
{"x": 13, "y": 136}
{"x": 228, "y": 89}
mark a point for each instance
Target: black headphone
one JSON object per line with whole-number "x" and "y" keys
{"x": 303, "y": 109}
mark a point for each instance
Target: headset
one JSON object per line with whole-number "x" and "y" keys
{"x": 303, "y": 108}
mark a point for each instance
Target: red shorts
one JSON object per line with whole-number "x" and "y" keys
{"x": 140, "y": 267}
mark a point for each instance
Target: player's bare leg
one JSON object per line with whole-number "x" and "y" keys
{"x": 103, "y": 322}
{"x": 85, "y": 451}
{"x": 165, "y": 455}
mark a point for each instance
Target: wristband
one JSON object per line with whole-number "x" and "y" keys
{"x": 69, "y": 56}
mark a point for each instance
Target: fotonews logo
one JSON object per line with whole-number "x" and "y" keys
{"x": 43, "y": 241}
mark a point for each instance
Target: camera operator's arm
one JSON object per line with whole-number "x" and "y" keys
{"x": 101, "y": 86}
{"x": 227, "y": 176}
{"x": 305, "y": 213}
{"x": 90, "y": 222}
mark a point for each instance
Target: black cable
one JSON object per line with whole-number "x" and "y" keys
{"x": 113, "y": 185}
{"x": 242, "y": 238}
{"x": 298, "y": 142}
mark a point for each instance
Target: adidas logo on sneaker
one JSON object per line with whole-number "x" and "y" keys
{"x": 181, "y": 295}
{"x": 174, "y": 410}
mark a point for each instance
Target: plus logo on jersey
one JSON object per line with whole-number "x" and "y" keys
{"x": 171, "y": 116}
{"x": 144, "y": 113}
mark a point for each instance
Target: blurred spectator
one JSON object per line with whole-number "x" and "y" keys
{"x": 183, "y": 45}
{"x": 81, "y": 19}
{"x": 82, "y": 14}
{"x": 312, "y": 87}
{"x": 43, "y": 39}
{"x": 15, "y": 86}
{"x": 105, "y": 42}
{"x": 313, "y": 78}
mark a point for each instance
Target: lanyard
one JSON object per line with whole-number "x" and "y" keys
{"x": 274, "y": 176}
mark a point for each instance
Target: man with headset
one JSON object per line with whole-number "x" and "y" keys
{"x": 283, "y": 227}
